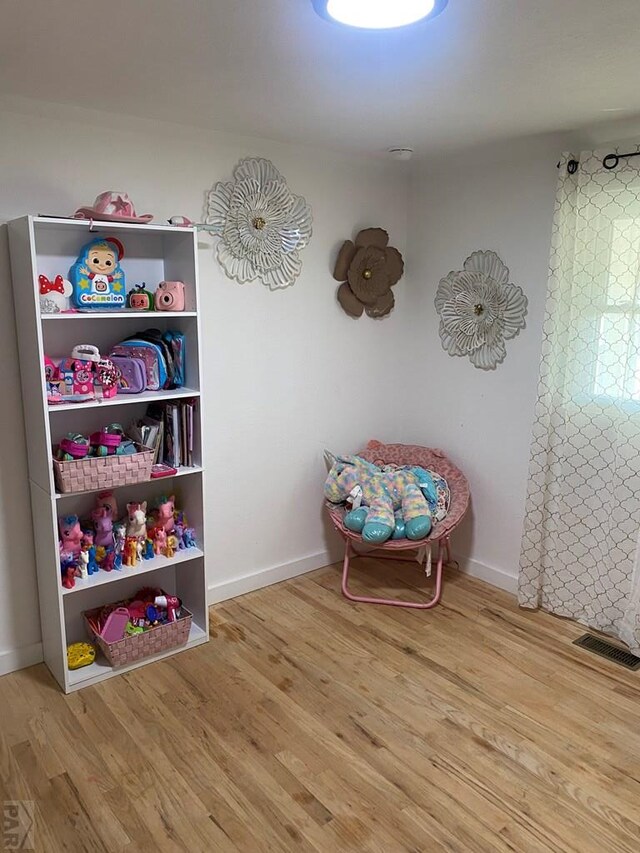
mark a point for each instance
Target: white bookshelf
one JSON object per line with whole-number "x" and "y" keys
{"x": 49, "y": 246}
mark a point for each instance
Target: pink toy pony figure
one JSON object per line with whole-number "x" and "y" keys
{"x": 107, "y": 499}
{"x": 70, "y": 534}
{"x": 103, "y": 521}
{"x": 159, "y": 540}
{"x": 137, "y": 521}
{"x": 164, "y": 515}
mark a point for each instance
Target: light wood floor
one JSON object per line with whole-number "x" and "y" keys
{"x": 308, "y": 723}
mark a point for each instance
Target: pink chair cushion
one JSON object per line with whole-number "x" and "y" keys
{"x": 426, "y": 457}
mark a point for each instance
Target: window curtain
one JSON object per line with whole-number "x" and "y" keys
{"x": 580, "y": 554}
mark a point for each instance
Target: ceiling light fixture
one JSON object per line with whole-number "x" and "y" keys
{"x": 378, "y": 14}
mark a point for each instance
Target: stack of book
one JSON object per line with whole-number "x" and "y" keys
{"x": 168, "y": 429}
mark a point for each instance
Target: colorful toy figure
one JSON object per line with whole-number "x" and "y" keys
{"x": 159, "y": 540}
{"x": 70, "y": 534}
{"x": 139, "y": 550}
{"x": 54, "y": 295}
{"x": 171, "y": 545}
{"x": 189, "y": 537}
{"x": 69, "y": 569}
{"x": 103, "y": 523}
{"x": 130, "y": 556}
{"x": 119, "y": 537}
{"x": 83, "y": 565}
{"x": 137, "y": 520}
{"x": 140, "y": 299}
{"x": 163, "y": 515}
{"x": 108, "y": 561}
{"x": 148, "y": 549}
{"x": 179, "y": 534}
{"x": 108, "y": 499}
{"x": 97, "y": 277}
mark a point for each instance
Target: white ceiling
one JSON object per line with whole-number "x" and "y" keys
{"x": 483, "y": 70}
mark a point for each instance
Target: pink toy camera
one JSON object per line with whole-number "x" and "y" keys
{"x": 170, "y": 296}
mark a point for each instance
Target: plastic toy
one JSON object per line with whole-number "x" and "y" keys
{"x": 54, "y": 295}
{"x": 83, "y": 376}
{"x": 115, "y": 625}
{"x": 83, "y": 565}
{"x": 97, "y": 277}
{"x": 118, "y": 548}
{"x": 107, "y": 499}
{"x": 163, "y": 515}
{"x": 189, "y": 537}
{"x": 69, "y": 569}
{"x": 137, "y": 520}
{"x": 107, "y": 563}
{"x": 70, "y": 534}
{"x": 159, "y": 541}
{"x": 170, "y": 296}
{"x": 170, "y": 548}
{"x": 91, "y": 562}
{"x": 140, "y": 299}
{"x": 375, "y": 493}
{"x": 148, "y": 549}
{"x": 130, "y": 555}
{"x": 170, "y": 603}
{"x": 139, "y": 550}
{"x": 103, "y": 523}
{"x": 179, "y": 534}
{"x": 80, "y": 654}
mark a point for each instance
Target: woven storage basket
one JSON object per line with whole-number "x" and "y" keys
{"x": 139, "y": 646}
{"x": 103, "y": 472}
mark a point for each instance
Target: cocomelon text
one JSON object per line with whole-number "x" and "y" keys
{"x": 101, "y": 299}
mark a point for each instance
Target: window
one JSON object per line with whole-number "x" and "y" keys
{"x": 617, "y": 322}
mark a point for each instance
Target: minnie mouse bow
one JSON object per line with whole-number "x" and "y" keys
{"x": 48, "y": 286}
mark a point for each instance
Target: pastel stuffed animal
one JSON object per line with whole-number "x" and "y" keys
{"x": 390, "y": 501}
{"x": 136, "y": 521}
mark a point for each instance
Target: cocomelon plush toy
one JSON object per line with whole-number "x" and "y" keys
{"x": 140, "y": 299}
{"x": 97, "y": 278}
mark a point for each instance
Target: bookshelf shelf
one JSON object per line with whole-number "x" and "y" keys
{"x": 126, "y": 400}
{"x": 49, "y": 245}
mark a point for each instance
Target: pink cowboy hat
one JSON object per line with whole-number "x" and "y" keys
{"x": 112, "y": 207}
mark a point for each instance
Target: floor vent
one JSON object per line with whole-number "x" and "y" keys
{"x": 608, "y": 650}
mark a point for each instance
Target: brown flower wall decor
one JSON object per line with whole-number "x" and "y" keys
{"x": 368, "y": 268}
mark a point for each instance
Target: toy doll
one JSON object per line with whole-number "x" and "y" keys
{"x": 108, "y": 499}
{"x": 130, "y": 556}
{"x": 97, "y": 278}
{"x": 103, "y": 523}
{"x": 137, "y": 520}
{"x": 118, "y": 548}
{"x": 84, "y": 565}
{"x": 159, "y": 540}
{"x": 148, "y": 549}
{"x": 170, "y": 548}
{"x": 70, "y": 534}
{"x": 189, "y": 537}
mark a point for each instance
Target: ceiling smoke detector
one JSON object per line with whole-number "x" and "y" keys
{"x": 400, "y": 153}
{"x": 378, "y": 15}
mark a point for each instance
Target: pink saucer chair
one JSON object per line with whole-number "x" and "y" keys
{"x": 398, "y": 549}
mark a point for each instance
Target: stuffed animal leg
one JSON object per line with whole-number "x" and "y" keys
{"x": 416, "y": 512}
{"x": 375, "y": 522}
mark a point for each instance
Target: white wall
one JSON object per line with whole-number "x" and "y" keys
{"x": 286, "y": 373}
{"x": 501, "y": 199}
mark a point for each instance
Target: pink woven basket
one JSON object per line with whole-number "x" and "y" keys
{"x": 103, "y": 472}
{"x": 145, "y": 645}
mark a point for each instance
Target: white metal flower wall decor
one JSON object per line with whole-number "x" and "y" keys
{"x": 479, "y": 310}
{"x": 262, "y": 225}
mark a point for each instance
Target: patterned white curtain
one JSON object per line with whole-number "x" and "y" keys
{"x": 581, "y": 550}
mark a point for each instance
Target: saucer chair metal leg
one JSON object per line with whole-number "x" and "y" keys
{"x": 392, "y": 602}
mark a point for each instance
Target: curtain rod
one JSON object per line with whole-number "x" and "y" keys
{"x": 609, "y": 162}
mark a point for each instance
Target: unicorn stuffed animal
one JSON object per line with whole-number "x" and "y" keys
{"x": 389, "y": 501}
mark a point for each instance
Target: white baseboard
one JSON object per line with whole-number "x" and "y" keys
{"x": 20, "y": 658}
{"x": 266, "y": 577}
{"x": 490, "y": 574}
